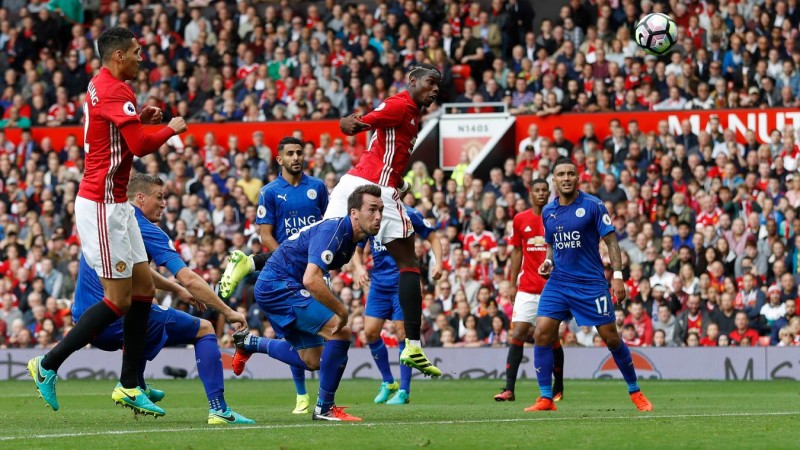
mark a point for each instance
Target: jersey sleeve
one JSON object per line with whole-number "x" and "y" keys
{"x": 323, "y": 244}
{"x": 548, "y": 237}
{"x": 387, "y": 114}
{"x": 265, "y": 213}
{"x": 603, "y": 220}
{"x": 119, "y": 107}
{"x": 515, "y": 239}
{"x": 421, "y": 226}
{"x": 160, "y": 248}
{"x": 322, "y": 196}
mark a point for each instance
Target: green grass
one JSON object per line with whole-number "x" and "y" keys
{"x": 443, "y": 414}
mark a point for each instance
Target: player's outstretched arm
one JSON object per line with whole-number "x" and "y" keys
{"x": 615, "y": 255}
{"x": 352, "y": 125}
{"x": 436, "y": 247}
{"x": 314, "y": 281}
{"x": 141, "y": 143}
{"x": 201, "y": 291}
{"x": 165, "y": 284}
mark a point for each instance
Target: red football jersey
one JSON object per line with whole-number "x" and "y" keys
{"x": 109, "y": 105}
{"x": 396, "y": 125}
{"x": 528, "y": 235}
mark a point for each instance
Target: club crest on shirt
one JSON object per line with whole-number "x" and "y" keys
{"x": 261, "y": 212}
{"x": 327, "y": 256}
{"x": 121, "y": 266}
{"x": 129, "y": 109}
{"x": 305, "y": 293}
{"x": 580, "y": 212}
{"x": 312, "y": 194}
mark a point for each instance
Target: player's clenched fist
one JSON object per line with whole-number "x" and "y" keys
{"x": 178, "y": 124}
{"x": 352, "y": 124}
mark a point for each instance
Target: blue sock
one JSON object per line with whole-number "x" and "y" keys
{"x": 622, "y": 356}
{"x": 381, "y": 357}
{"x": 299, "y": 377}
{"x": 209, "y": 367}
{"x": 282, "y": 351}
{"x": 405, "y": 372}
{"x": 543, "y": 363}
{"x": 332, "y": 364}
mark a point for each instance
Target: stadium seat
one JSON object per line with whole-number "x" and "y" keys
{"x": 763, "y": 341}
{"x": 460, "y": 74}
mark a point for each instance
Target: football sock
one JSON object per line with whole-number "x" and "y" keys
{"x": 93, "y": 322}
{"x": 513, "y": 361}
{"x": 558, "y": 367}
{"x": 332, "y": 364}
{"x": 411, "y": 302}
{"x": 299, "y": 377}
{"x": 381, "y": 357}
{"x": 405, "y": 372}
{"x": 260, "y": 260}
{"x": 209, "y": 368}
{"x": 134, "y": 339}
{"x": 278, "y": 349}
{"x": 543, "y": 363}
{"x": 622, "y": 356}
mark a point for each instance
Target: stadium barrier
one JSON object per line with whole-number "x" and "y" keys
{"x": 732, "y": 364}
{"x": 760, "y": 120}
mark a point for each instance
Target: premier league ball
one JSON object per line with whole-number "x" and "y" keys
{"x": 656, "y": 33}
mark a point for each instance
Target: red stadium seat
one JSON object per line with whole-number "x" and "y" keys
{"x": 763, "y": 341}
{"x": 460, "y": 74}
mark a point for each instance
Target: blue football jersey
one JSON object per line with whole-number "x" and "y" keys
{"x": 327, "y": 243}
{"x": 574, "y": 232}
{"x": 289, "y": 208}
{"x": 159, "y": 247}
{"x": 384, "y": 270}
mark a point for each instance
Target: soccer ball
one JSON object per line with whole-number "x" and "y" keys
{"x": 656, "y": 33}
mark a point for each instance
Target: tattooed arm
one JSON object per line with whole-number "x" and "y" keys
{"x": 615, "y": 255}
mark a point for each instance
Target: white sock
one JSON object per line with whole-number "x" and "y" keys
{"x": 252, "y": 263}
{"x": 415, "y": 342}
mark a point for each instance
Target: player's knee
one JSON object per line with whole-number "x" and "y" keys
{"x": 311, "y": 361}
{"x": 520, "y": 334}
{"x": 613, "y": 342}
{"x": 372, "y": 335}
{"x": 343, "y": 334}
{"x": 205, "y": 328}
{"x": 541, "y": 336}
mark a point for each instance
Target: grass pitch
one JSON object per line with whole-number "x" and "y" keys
{"x": 457, "y": 414}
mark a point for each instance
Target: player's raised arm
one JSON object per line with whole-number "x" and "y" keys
{"x": 314, "y": 281}
{"x": 352, "y": 125}
{"x": 141, "y": 143}
{"x": 615, "y": 255}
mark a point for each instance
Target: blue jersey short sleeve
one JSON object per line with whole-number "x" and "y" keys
{"x": 265, "y": 213}
{"x": 421, "y": 226}
{"x": 159, "y": 247}
{"x": 603, "y": 220}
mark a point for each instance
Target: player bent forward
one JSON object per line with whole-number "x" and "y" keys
{"x": 293, "y": 293}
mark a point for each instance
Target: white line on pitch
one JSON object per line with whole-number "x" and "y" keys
{"x": 379, "y": 424}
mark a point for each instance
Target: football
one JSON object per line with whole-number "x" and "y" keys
{"x": 656, "y": 33}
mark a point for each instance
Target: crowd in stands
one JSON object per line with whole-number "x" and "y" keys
{"x": 707, "y": 224}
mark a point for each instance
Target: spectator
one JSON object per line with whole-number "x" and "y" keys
{"x": 668, "y": 325}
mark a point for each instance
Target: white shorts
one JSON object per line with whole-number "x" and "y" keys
{"x": 110, "y": 238}
{"x": 395, "y": 223}
{"x": 525, "y": 307}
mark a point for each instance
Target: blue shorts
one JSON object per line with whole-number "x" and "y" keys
{"x": 384, "y": 304}
{"x": 590, "y": 305}
{"x": 293, "y": 313}
{"x": 166, "y": 327}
